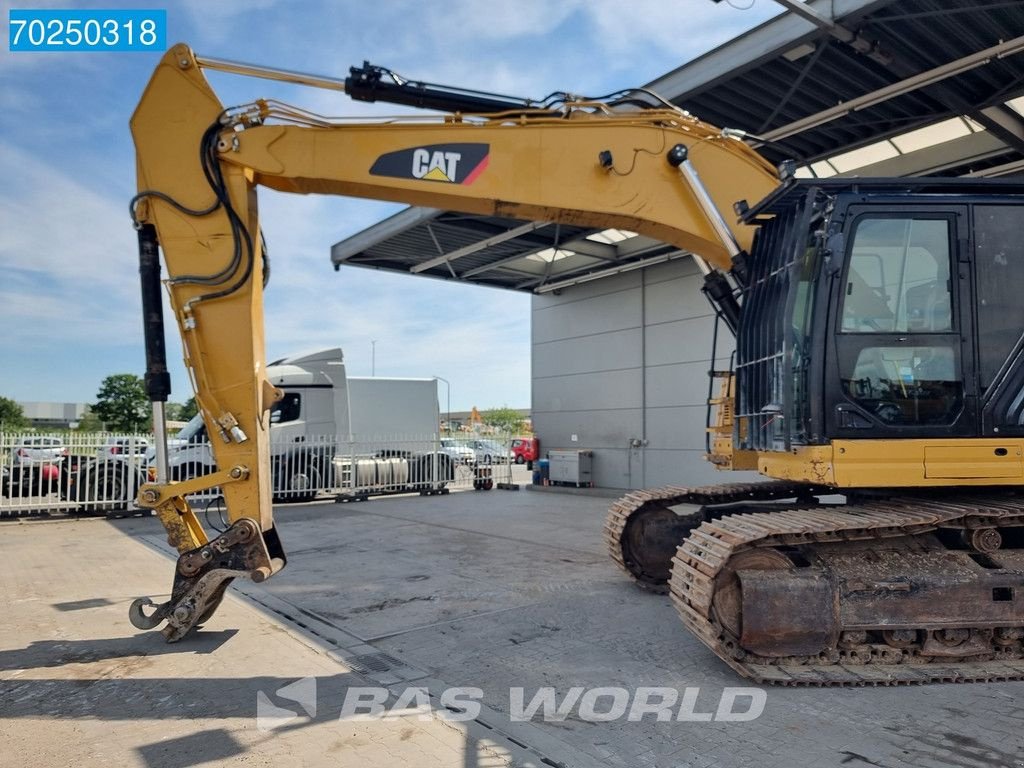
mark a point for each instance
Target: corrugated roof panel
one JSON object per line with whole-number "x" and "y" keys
{"x": 784, "y": 71}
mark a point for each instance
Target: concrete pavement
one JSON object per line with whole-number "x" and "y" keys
{"x": 494, "y": 591}
{"x": 80, "y": 686}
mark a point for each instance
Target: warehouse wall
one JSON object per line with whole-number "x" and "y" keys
{"x": 626, "y": 358}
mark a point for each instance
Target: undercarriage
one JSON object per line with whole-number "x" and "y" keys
{"x": 879, "y": 590}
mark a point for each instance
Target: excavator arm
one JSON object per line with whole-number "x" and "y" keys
{"x": 199, "y": 165}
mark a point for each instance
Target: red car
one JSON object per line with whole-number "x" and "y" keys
{"x": 525, "y": 449}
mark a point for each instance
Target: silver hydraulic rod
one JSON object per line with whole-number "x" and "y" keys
{"x": 718, "y": 287}
{"x": 678, "y": 157}
{"x": 272, "y": 73}
{"x": 705, "y": 268}
{"x": 160, "y": 439}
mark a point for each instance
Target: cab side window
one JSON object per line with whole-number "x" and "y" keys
{"x": 999, "y": 271}
{"x": 900, "y": 357}
{"x": 287, "y": 409}
{"x": 898, "y": 280}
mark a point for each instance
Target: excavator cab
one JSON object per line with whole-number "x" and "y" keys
{"x": 880, "y": 356}
{"x": 880, "y": 314}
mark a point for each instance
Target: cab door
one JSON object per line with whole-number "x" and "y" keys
{"x": 901, "y": 363}
{"x": 999, "y": 306}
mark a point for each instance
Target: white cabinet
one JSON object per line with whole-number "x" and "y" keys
{"x": 571, "y": 467}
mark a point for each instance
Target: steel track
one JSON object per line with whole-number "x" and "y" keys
{"x": 703, "y": 555}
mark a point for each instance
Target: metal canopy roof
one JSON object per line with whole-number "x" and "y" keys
{"x": 488, "y": 250}
{"x": 807, "y": 86}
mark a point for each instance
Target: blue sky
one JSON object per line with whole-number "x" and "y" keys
{"x": 69, "y": 305}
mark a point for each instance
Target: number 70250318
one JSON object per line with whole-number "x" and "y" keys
{"x": 87, "y": 30}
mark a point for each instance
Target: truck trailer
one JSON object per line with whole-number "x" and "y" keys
{"x": 359, "y": 436}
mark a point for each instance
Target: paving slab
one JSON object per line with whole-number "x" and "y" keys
{"x": 80, "y": 686}
{"x": 508, "y": 593}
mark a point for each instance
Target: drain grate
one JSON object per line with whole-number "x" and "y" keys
{"x": 368, "y": 663}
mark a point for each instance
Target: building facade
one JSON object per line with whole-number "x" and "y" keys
{"x": 53, "y": 415}
{"x": 620, "y": 367}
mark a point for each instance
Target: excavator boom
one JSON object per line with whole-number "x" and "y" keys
{"x": 199, "y": 165}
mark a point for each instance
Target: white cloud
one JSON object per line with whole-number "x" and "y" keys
{"x": 69, "y": 259}
{"x": 67, "y": 230}
{"x": 67, "y": 251}
{"x": 222, "y": 20}
{"x": 476, "y": 338}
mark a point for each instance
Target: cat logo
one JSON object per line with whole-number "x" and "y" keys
{"x": 436, "y": 166}
{"x": 445, "y": 163}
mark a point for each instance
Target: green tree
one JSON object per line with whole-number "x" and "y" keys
{"x": 182, "y": 411}
{"x": 122, "y": 404}
{"x": 89, "y": 422}
{"x": 11, "y": 415}
{"x": 504, "y": 418}
{"x": 188, "y": 410}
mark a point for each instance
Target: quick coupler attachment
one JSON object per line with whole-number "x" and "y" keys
{"x": 202, "y": 575}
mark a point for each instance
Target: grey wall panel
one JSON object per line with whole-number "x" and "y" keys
{"x": 594, "y": 429}
{"x": 676, "y": 428}
{"x": 590, "y": 379}
{"x": 679, "y": 384}
{"x": 608, "y": 351}
{"x": 683, "y": 341}
{"x": 675, "y": 300}
{"x": 614, "y": 468}
{"x": 605, "y": 390}
{"x": 670, "y": 270}
{"x": 606, "y": 433}
{"x": 687, "y": 468}
{"x": 590, "y": 290}
{"x": 587, "y": 317}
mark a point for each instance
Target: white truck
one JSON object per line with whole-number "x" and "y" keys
{"x": 359, "y": 436}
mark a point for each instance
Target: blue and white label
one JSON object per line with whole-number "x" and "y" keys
{"x": 87, "y": 30}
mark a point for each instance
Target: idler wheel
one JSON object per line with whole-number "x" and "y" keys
{"x": 728, "y": 601}
{"x": 650, "y": 540}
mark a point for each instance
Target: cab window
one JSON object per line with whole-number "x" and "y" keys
{"x": 899, "y": 357}
{"x": 999, "y": 259}
{"x": 287, "y": 409}
{"x": 898, "y": 280}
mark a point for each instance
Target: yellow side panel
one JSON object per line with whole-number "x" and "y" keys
{"x": 927, "y": 463}
{"x": 809, "y": 464}
{"x": 900, "y": 463}
{"x": 973, "y": 461}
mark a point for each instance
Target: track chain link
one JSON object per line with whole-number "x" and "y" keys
{"x": 703, "y": 555}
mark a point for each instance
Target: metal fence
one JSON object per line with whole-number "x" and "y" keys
{"x": 101, "y": 473}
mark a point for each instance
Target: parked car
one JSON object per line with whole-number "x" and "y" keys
{"x": 490, "y": 452}
{"x": 457, "y": 450}
{"x": 34, "y": 451}
{"x": 34, "y": 467}
{"x": 526, "y": 450}
{"x": 123, "y": 447}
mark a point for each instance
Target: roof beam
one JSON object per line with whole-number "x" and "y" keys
{"x": 844, "y": 34}
{"x": 569, "y": 279}
{"x": 480, "y": 245}
{"x": 937, "y": 158}
{"x": 1011, "y": 168}
{"x": 1004, "y": 123}
{"x": 392, "y": 226}
{"x": 757, "y": 46}
{"x": 908, "y": 85}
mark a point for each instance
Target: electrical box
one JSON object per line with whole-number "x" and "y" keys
{"x": 571, "y": 467}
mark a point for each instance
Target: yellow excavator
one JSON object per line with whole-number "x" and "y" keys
{"x": 877, "y": 379}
